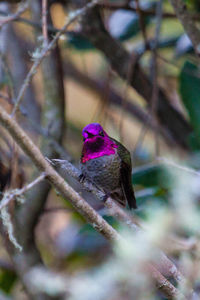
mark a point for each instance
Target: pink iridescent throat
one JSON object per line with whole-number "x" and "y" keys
{"x": 96, "y": 147}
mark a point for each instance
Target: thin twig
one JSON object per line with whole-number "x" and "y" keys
{"x": 155, "y": 91}
{"x": 9, "y": 195}
{"x": 6, "y": 265}
{"x": 72, "y": 17}
{"x": 22, "y": 8}
{"x": 5, "y": 97}
{"x": 173, "y": 164}
{"x": 6, "y": 68}
{"x": 146, "y": 12}
{"x": 134, "y": 60}
{"x": 143, "y": 131}
{"x": 51, "y": 29}
{"x": 44, "y": 22}
{"x": 142, "y": 23}
{"x": 57, "y": 210}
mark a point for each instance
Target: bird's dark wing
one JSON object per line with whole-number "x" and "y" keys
{"x": 5, "y": 176}
{"x": 125, "y": 172}
{"x": 126, "y": 184}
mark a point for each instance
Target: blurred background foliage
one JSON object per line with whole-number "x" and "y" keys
{"x": 93, "y": 92}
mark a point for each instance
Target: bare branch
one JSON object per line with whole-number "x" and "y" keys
{"x": 145, "y": 12}
{"x": 6, "y": 265}
{"x": 168, "y": 162}
{"x": 44, "y": 22}
{"x": 22, "y": 8}
{"x": 154, "y": 73}
{"x": 10, "y": 195}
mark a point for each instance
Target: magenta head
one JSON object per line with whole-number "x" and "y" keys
{"x": 93, "y": 130}
{"x": 96, "y": 142}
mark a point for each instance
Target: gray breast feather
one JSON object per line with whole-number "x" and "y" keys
{"x": 103, "y": 171}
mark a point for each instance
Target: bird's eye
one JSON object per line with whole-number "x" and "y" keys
{"x": 101, "y": 133}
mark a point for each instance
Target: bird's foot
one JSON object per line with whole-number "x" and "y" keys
{"x": 81, "y": 178}
{"x": 105, "y": 197}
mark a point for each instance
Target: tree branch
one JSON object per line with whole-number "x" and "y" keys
{"x": 8, "y": 196}
{"x": 7, "y": 19}
{"x": 163, "y": 264}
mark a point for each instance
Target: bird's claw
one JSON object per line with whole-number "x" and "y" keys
{"x": 81, "y": 178}
{"x": 105, "y": 197}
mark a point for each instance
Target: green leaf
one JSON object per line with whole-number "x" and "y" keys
{"x": 78, "y": 42}
{"x": 194, "y": 143}
{"x": 7, "y": 279}
{"x": 151, "y": 175}
{"x": 145, "y": 207}
{"x": 189, "y": 86}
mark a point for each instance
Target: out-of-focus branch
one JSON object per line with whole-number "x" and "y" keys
{"x": 3, "y": 42}
{"x": 6, "y": 265}
{"x": 11, "y": 1}
{"x": 13, "y": 17}
{"x": 188, "y": 23}
{"x": 67, "y": 192}
{"x": 142, "y": 23}
{"x": 171, "y": 163}
{"x": 154, "y": 69}
{"x": 44, "y": 21}
{"x": 93, "y": 28}
{"x": 38, "y": 25}
{"x": 145, "y": 12}
{"x": 99, "y": 87}
{"x": 8, "y": 196}
{"x": 19, "y": 69}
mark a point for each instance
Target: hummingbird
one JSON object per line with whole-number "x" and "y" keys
{"x": 107, "y": 164}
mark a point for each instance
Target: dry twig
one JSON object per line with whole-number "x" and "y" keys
{"x": 22, "y": 8}
{"x": 44, "y": 22}
{"x": 155, "y": 90}
{"x": 10, "y": 195}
